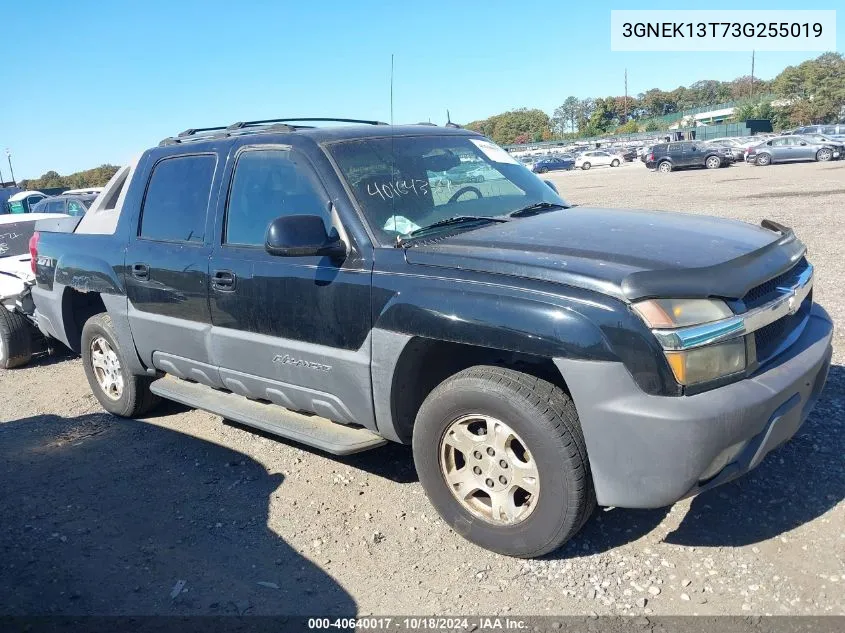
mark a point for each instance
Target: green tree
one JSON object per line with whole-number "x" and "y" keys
{"x": 96, "y": 177}
{"x": 814, "y": 91}
{"x": 631, "y": 127}
{"x": 506, "y": 127}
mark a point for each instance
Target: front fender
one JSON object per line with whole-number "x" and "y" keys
{"x": 518, "y": 323}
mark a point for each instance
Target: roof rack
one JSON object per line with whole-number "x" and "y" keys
{"x": 266, "y": 125}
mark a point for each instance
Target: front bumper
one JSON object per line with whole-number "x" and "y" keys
{"x": 650, "y": 451}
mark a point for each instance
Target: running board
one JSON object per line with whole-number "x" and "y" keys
{"x": 311, "y": 430}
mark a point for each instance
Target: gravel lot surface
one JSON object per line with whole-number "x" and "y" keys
{"x": 181, "y": 513}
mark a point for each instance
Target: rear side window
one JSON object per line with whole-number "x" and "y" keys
{"x": 177, "y": 199}
{"x": 56, "y": 206}
{"x": 267, "y": 184}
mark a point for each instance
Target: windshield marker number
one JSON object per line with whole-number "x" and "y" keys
{"x": 390, "y": 190}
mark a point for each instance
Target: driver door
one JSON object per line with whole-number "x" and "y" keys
{"x": 291, "y": 330}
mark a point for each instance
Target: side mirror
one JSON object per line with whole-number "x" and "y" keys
{"x": 302, "y": 236}
{"x": 551, "y": 185}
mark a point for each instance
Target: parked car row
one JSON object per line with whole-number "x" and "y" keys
{"x": 73, "y": 202}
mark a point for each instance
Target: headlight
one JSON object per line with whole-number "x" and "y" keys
{"x": 702, "y": 364}
{"x": 672, "y": 313}
{"x": 707, "y": 358}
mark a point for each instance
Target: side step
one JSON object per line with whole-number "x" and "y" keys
{"x": 311, "y": 430}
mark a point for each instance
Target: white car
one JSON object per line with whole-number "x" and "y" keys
{"x": 597, "y": 158}
{"x": 19, "y": 337}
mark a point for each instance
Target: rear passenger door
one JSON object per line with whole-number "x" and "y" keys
{"x": 675, "y": 151}
{"x": 692, "y": 155}
{"x": 291, "y": 330}
{"x": 167, "y": 268}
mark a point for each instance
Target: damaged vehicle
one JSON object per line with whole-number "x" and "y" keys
{"x": 20, "y": 339}
{"x": 333, "y": 286}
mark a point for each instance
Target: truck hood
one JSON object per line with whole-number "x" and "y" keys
{"x": 629, "y": 254}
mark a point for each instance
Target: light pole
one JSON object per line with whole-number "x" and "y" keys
{"x": 11, "y": 169}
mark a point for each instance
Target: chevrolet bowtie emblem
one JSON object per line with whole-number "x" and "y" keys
{"x": 792, "y": 304}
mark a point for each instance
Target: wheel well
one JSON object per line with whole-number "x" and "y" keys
{"x": 77, "y": 308}
{"x": 426, "y": 363}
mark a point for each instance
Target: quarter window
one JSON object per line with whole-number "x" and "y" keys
{"x": 75, "y": 208}
{"x": 267, "y": 184}
{"x": 177, "y": 199}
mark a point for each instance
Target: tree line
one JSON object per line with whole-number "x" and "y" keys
{"x": 811, "y": 92}
{"x": 96, "y": 177}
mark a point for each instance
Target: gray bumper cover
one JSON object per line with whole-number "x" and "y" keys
{"x": 650, "y": 451}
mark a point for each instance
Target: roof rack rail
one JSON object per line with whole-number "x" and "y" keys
{"x": 269, "y": 125}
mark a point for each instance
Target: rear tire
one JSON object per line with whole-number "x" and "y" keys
{"x": 119, "y": 391}
{"x": 664, "y": 167}
{"x": 586, "y": 166}
{"x": 762, "y": 160}
{"x": 16, "y": 339}
{"x": 532, "y": 427}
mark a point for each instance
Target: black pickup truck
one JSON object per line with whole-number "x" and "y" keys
{"x": 345, "y": 285}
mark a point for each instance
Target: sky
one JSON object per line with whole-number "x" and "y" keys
{"x": 89, "y": 82}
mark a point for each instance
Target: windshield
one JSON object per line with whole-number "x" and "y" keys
{"x": 406, "y": 183}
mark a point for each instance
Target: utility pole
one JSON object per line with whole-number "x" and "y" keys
{"x": 626, "y": 96}
{"x": 752, "y": 74}
{"x": 11, "y": 169}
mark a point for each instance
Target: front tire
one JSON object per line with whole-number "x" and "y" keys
{"x": 614, "y": 163}
{"x": 824, "y": 155}
{"x": 713, "y": 162}
{"x": 586, "y": 166}
{"x": 16, "y": 337}
{"x": 118, "y": 390}
{"x": 502, "y": 458}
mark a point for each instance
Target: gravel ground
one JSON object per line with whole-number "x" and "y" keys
{"x": 182, "y": 513}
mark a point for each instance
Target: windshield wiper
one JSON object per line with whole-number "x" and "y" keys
{"x": 457, "y": 220}
{"x": 534, "y": 209}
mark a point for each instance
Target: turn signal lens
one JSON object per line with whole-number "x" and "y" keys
{"x": 672, "y": 313}
{"x": 710, "y": 362}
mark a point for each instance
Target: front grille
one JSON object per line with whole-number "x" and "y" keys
{"x": 767, "y": 291}
{"x": 769, "y": 339}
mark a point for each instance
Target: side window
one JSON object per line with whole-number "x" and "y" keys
{"x": 269, "y": 183}
{"x": 56, "y": 206}
{"x": 176, "y": 202}
{"x": 828, "y": 129}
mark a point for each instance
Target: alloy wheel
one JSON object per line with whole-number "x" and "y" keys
{"x": 106, "y": 366}
{"x": 489, "y": 470}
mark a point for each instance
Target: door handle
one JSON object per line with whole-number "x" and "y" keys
{"x": 140, "y": 271}
{"x": 224, "y": 280}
